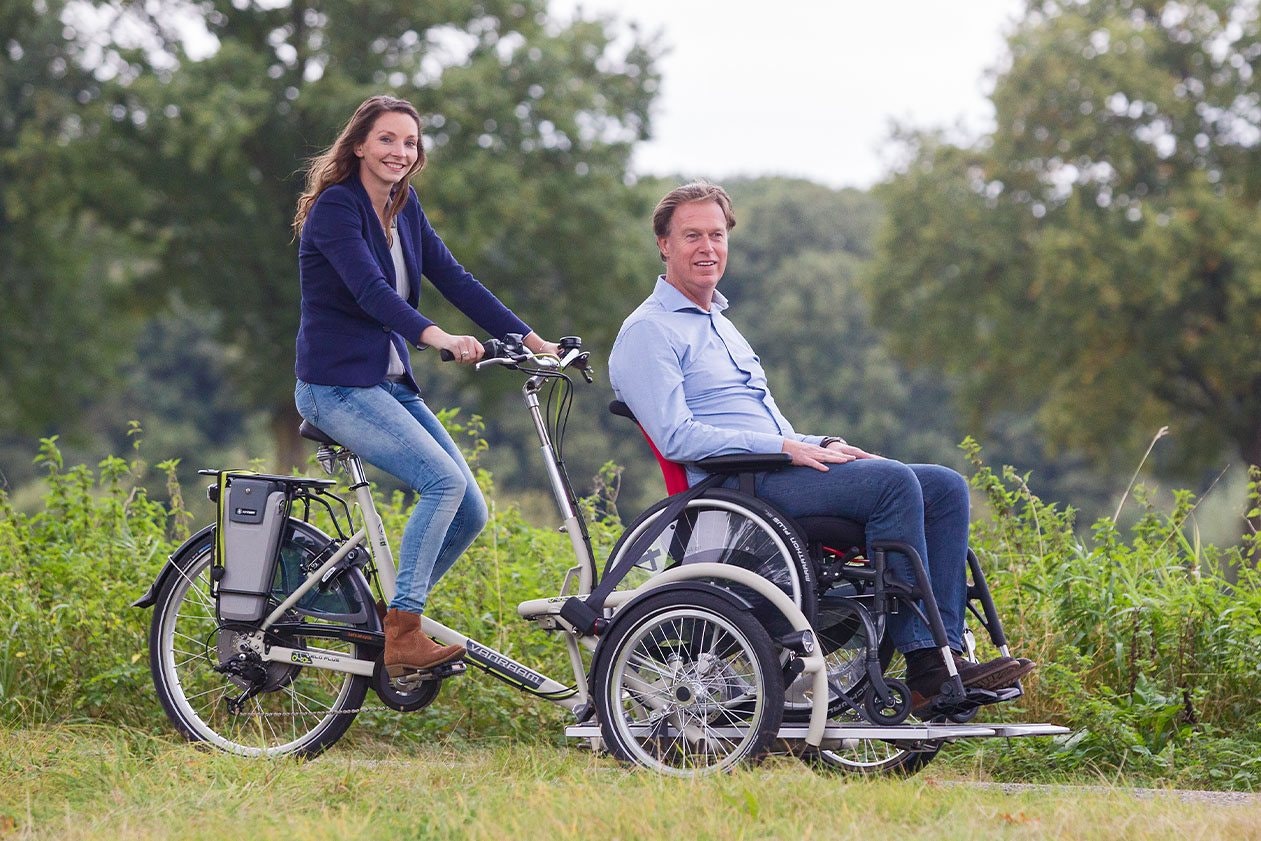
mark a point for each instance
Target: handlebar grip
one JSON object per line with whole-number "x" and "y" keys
{"x": 492, "y": 348}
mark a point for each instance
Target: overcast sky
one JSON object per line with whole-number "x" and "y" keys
{"x": 810, "y": 87}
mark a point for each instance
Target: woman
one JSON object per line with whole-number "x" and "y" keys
{"x": 364, "y": 243}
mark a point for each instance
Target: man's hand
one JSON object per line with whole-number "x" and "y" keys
{"x": 811, "y": 455}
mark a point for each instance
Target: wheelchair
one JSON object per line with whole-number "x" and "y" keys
{"x": 843, "y": 590}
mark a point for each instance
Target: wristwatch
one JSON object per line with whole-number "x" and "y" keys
{"x": 830, "y": 439}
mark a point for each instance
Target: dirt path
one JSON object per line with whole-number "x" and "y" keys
{"x": 1221, "y": 798}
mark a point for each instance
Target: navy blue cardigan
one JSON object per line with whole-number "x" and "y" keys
{"x": 350, "y": 309}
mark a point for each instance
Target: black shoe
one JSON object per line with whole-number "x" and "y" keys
{"x": 992, "y": 674}
{"x": 1006, "y": 677}
{"x": 925, "y": 673}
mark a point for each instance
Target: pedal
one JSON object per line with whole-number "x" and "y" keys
{"x": 412, "y": 677}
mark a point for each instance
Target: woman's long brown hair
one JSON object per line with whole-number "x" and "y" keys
{"x": 339, "y": 161}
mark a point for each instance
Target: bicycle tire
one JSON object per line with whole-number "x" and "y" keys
{"x": 686, "y": 683}
{"x": 303, "y": 711}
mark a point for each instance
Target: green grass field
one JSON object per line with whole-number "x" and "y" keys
{"x": 85, "y": 782}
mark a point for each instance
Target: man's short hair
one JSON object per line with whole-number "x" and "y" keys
{"x": 696, "y": 191}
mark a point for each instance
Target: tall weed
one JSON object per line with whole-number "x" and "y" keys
{"x": 1148, "y": 651}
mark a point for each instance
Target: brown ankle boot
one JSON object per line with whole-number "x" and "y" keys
{"x": 408, "y": 649}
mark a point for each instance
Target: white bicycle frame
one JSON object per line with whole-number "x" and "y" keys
{"x": 546, "y": 612}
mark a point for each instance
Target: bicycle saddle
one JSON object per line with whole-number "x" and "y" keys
{"x": 312, "y": 432}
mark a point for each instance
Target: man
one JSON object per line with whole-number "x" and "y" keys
{"x": 699, "y": 390}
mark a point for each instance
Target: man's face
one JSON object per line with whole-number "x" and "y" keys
{"x": 695, "y": 250}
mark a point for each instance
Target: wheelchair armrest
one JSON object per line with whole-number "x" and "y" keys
{"x": 744, "y": 463}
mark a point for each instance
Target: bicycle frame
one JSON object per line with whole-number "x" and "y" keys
{"x": 265, "y": 642}
{"x": 371, "y": 536}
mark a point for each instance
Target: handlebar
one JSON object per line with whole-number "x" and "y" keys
{"x": 493, "y": 349}
{"x": 511, "y": 352}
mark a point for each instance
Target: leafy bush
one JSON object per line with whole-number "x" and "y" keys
{"x": 1147, "y": 647}
{"x": 1147, "y": 642}
{"x": 72, "y": 646}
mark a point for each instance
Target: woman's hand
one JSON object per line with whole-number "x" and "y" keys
{"x": 537, "y": 344}
{"x": 466, "y": 349}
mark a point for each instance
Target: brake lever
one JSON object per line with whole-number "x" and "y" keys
{"x": 577, "y": 358}
{"x": 498, "y": 360}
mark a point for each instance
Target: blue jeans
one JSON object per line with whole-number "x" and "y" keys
{"x": 924, "y": 505}
{"x": 390, "y": 427}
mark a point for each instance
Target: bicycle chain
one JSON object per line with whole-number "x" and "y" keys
{"x": 311, "y": 712}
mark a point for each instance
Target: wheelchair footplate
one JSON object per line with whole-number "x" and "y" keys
{"x": 966, "y": 706}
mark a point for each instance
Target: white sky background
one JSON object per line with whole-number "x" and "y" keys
{"x": 810, "y": 88}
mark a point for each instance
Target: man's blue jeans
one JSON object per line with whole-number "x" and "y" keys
{"x": 924, "y": 505}
{"x": 390, "y": 427}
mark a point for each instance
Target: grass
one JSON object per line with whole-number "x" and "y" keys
{"x": 95, "y": 781}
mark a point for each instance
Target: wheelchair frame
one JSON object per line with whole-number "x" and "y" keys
{"x": 956, "y": 706}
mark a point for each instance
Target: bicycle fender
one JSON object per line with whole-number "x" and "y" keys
{"x": 695, "y": 586}
{"x": 172, "y": 563}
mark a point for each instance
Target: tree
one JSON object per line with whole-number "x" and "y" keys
{"x": 1097, "y": 258}
{"x": 62, "y": 287}
{"x": 797, "y": 253}
{"x": 530, "y": 127}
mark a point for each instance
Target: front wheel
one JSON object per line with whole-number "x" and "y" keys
{"x": 686, "y": 684}
{"x": 293, "y": 708}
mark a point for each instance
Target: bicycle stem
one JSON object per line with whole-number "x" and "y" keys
{"x": 560, "y": 488}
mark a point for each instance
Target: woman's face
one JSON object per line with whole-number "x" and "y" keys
{"x": 390, "y": 150}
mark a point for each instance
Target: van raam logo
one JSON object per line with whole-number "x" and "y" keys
{"x": 505, "y": 665}
{"x": 301, "y": 658}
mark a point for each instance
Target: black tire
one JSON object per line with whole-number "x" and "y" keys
{"x": 686, "y": 683}
{"x": 303, "y": 710}
{"x": 724, "y": 526}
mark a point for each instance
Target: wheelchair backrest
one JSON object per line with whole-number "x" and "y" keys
{"x": 674, "y": 474}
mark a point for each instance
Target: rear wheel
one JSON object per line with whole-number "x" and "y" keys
{"x": 294, "y": 708}
{"x": 686, "y": 683}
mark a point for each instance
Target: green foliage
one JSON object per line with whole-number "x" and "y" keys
{"x": 59, "y": 279}
{"x": 1147, "y": 651}
{"x": 1093, "y": 260}
{"x": 73, "y": 648}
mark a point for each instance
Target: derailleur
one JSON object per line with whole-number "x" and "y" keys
{"x": 245, "y": 669}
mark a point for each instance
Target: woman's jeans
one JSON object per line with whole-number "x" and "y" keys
{"x": 391, "y": 428}
{"x": 924, "y": 505}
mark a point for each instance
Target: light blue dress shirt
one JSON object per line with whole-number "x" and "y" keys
{"x": 694, "y": 383}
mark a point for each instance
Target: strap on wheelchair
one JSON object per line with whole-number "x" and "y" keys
{"x": 585, "y": 615}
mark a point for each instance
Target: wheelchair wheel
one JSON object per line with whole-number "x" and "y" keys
{"x": 727, "y": 527}
{"x": 844, "y": 643}
{"x": 295, "y": 709}
{"x": 874, "y": 756}
{"x": 686, "y": 684}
